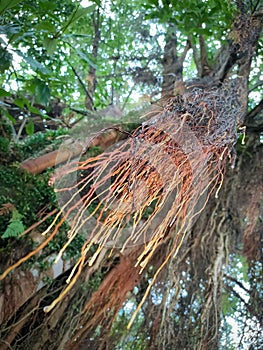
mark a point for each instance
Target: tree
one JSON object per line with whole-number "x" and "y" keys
{"x": 199, "y": 262}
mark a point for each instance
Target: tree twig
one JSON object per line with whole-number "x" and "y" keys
{"x": 250, "y": 117}
{"x": 81, "y": 82}
{"x": 232, "y": 279}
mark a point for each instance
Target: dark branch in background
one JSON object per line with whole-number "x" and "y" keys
{"x": 127, "y": 98}
{"x": 232, "y": 279}
{"x": 83, "y": 85}
{"x": 84, "y": 112}
{"x": 137, "y": 58}
{"x": 127, "y": 72}
{"x": 112, "y": 75}
{"x": 195, "y": 56}
{"x": 184, "y": 53}
{"x": 205, "y": 69}
{"x": 255, "y": 111}
{"x": 172, "y": 63}
{"x": 237, "y": 295}
{"x": 92, "y": 81}
{"x": 201, "y": 60}
{"x": 143, "y": 74}
{"x": 254, "y": 118}
{"x": 255, "y": 86}
{"x": 259, "y": 13}
{"x": 224, "y": 61}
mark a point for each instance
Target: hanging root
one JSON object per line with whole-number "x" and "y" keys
{"x": 159, "y": 178}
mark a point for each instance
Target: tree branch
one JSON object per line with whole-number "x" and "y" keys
{"x": 239, "y": 47}
{"x": 255, "y": 86}
{"x": 92, "y": 82}
{"x": 195, "y": 56}
{"x": 236, "y": 294}
{"x": 172, "y": 63}
{"x": 232, "y": 279}
{"x": 81, "y": 82}
{"x": 252, "y": 121}
{"x": 84, "y": 112}
{"x": 186, "y": 49}
{"x": 205, "y": 69}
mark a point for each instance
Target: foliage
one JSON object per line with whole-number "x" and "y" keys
{"x": 60, "y": 31}
{"x": 15, "y": 226}
{"x": 48, "y": 49}
{"x": 32, "y": 146}
{"x": 205, "y": 17}
{"x": 28, "y": 193}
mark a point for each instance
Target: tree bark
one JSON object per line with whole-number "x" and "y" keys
{"x": 172, "y": 64}
{"x": 71, "y": 150}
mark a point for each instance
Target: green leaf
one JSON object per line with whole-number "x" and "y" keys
{"x": 16, "y": 216}
{"x": 4, "y": 144}
{"x": 79, "y": 12}
{"x": 21, "y": 102}
{"x": 8, "y": 115}
{"x": 13, "y": 229}
{"x": 47, "y": 5}
{"x": 7, "y": 4}
{"x": 154, "y": 2}
{"x": 85, "y": 58}
{"x": 15, "y": 226}
{"x": 5, "y": 59}
{"x": 30, "y": 128}
{"x": 229, "y": 304}
{"x": 42, "y": 92}
{"x": 35, "y": 110}
{"x": 10, "y": 29}
{"x": 46, "y": 26}
{"x": 244, "y": 268}
{"x": 34, "y": 64}
{"x": 20, "y": 36}
{"x": 4, "y": 93}
{"x": 50, "y": 44}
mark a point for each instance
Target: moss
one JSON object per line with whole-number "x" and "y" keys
{"x": 28, "y": 193}
{"x": 32, "y": 145}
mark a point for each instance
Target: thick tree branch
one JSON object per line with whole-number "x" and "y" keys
{"x": 255, "y": 111}
{"x": 239, "y": 47}
{"x": 172, "y": 63}
{"x": 186, "y": 49}
{"x": 73, "y": 149}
